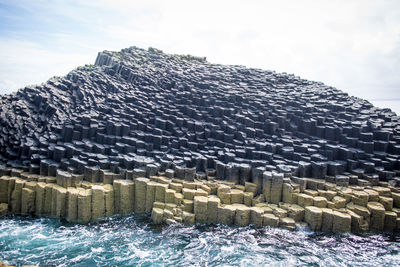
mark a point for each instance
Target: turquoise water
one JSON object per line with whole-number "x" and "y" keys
{"x": 134, "y": 240}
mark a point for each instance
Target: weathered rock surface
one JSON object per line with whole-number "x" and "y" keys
{"x": 136, "y": 113}
{"x": 203, "y": 203}
{"x": 189, "y": 141}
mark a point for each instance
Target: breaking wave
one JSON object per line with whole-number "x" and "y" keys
{"x": 134, "y": 240}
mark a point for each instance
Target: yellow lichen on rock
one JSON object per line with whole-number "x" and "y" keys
{"x": 98, "y": 203}
{"x": 140, "y": 194}
{"x": 313, "y": 216}
{"x": 84, "y": 205}
{"x": 276, "y": 202}
{"x": 72, "y": 204}
{"x": 27, "y": 201}
{"x": 200, "y": 208}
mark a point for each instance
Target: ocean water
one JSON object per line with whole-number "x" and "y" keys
{"x": 135, "y": 241}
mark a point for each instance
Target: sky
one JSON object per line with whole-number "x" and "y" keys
{"x": 353, "y": 45}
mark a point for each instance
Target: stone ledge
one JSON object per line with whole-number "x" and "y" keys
{"x": 330, "y": 208}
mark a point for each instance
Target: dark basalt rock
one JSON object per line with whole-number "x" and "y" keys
{"x": 139, "y": 113}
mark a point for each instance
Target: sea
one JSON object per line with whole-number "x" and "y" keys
{"x": 135, "y": 241}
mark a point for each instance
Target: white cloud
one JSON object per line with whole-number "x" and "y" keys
{"x": 353, "y": 45}
{"x": 24, "y": 63}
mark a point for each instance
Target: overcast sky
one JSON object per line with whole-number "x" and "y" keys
{"x": 352, "y": 45}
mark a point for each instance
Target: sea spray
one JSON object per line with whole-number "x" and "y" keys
{"x": 134, "y": 240}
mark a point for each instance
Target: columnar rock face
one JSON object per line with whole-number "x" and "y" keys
{"x": 283, "y": 149}
{"x": 136, "y": 113}
{"x": 203, "y": 203}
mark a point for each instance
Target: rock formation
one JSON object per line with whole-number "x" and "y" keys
{"x": 97, "y": 142}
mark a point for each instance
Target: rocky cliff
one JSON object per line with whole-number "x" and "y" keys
{"x": 193, "y": 142}
{"x": 139, "y": 112}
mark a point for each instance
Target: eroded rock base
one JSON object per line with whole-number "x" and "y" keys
{"x": 276, "y": 201}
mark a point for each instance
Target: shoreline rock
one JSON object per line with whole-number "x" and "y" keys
{"x": 331, "y": 208}
{"x": 202, "y": 142}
